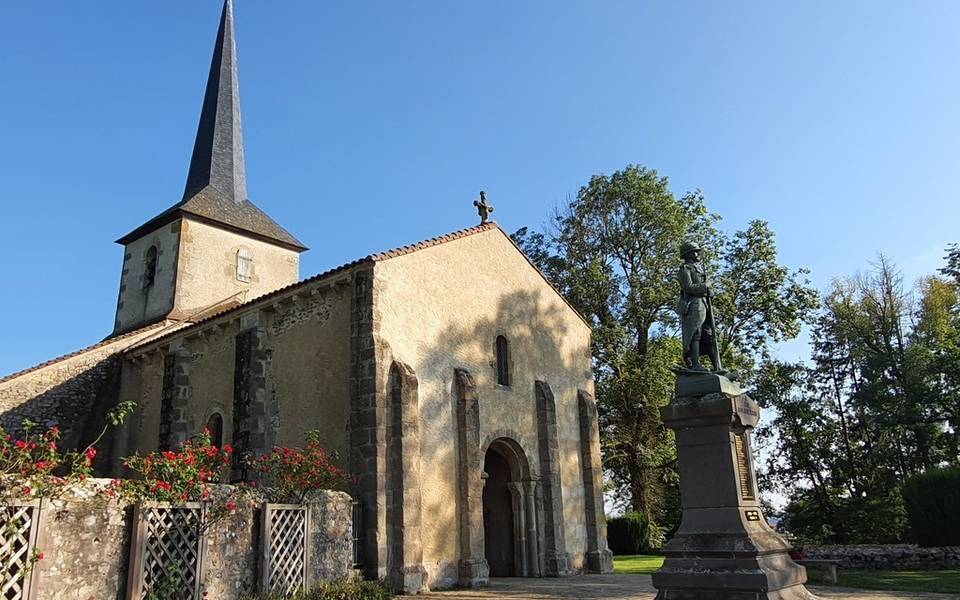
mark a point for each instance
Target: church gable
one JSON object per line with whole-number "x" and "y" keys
{"x": 499, "y": 355}
{"x": 483, "y": 259}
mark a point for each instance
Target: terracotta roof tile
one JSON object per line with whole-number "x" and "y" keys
{"x": 104, "y": 342}
{"x": 369, "y": 259}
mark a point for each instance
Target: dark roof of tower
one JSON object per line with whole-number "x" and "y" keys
{"x": 216, "y": 189}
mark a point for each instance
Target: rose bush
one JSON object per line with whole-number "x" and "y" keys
{"x": 190, "y": 474}
{"x": 34, "y": 465}
{"x": 291, "y": 474}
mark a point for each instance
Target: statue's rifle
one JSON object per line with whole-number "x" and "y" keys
{"x": 715, "y": 340}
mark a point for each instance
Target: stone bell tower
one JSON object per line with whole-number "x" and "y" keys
{"x": 213, "y": 249}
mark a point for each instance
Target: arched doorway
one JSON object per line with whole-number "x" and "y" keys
{"x": 510, "y": 537}
{"x": 498, "y": 531}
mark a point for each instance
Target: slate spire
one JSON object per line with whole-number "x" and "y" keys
{"x": 216, "y": 190}
{"x": 217, "y": 159}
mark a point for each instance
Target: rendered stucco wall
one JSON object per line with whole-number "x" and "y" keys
{"x": 310, "y": 338}
{"x": 306, "y": 335}
{"x": 207, "y": 267}
{"x": 211, "y": 377}
{"x": 141, "y": 380}
{"x": 136, "y": 304}
{"x": 441, "y": 308}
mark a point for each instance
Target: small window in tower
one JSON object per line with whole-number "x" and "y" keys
{"x": 215, "y": 429}
{"x": 244, "y": 265}
{"x": 503, "y": 361}
{"x": 150, "y": 267}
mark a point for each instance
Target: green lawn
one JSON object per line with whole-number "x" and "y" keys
{"x": 904, "y": 581}
{"x": 637, "y": 564}
{"x": 947, "y": 582}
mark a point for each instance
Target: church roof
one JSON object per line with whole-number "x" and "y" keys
{"x": 104, "y": 342}
{"x": 216, "y": 188}
{"x": 369, "y": 259}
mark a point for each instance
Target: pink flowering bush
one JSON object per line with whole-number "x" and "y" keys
{"x": 293, "y": 473}
{"x": 190, "y": 474}
{"x": 33, "y": 464}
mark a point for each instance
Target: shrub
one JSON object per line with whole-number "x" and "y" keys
{"x": 33, "y": 463}
{"x": 293, "y": 473}
{"x": 933, "y": 506}
{"x": 633, "y": 534}
{"x": 879, "y": 518}
{"x": 190, "y": 474}
{"x": 334, "y": 590}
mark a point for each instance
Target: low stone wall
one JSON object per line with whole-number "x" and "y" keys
{"x": 898, "y": 556}
{"x": 85, "y": 543}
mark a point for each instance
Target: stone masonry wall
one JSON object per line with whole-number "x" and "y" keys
{"x": 64, "y": 391}
{"x": 86, "y": 547}
{"x": 891, "y": 556}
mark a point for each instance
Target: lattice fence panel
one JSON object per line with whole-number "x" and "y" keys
{"x": 18, "y": 538}
{"x": 167, "y": 552}
{"x": 285, "y": 548}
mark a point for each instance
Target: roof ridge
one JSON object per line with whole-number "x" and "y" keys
{"x": 104, "y": 342}
{"x": 435, "y": 241}
{"x": 370, "y": 258}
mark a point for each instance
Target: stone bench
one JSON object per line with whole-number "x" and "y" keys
{"x": 820, "y": 570}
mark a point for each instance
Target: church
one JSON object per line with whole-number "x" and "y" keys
{"x": 457, "y": 391}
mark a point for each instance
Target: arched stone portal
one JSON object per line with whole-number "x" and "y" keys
{"x": 510, "y": 524}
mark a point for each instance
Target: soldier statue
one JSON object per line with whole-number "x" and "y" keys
{"x": 696, "y": 312}
{"x": 483, "y": 209}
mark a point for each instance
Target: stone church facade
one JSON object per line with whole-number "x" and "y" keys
{"x": 450, "y": 378}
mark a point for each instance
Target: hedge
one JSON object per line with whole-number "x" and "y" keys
{"x": 633, "y": 534}
{"x": 933, "y": 506}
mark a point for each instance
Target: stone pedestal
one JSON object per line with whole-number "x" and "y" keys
{"x": 724, "y": 549}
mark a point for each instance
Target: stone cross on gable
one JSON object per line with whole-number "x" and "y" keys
{"x": 483, "y": 209}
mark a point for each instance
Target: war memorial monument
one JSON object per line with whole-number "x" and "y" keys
{"x": 724, "y": 549}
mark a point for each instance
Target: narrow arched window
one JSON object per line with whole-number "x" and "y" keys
{"x": 215, "y": 428}
{"x": 503, "y": 360}
{"x": 244, "y": 265}
{"x": 150, "y": 267}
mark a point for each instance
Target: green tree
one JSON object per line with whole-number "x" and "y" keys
{"x": 952, "y": 268}
{"x": 877, "y": 404}
{"x": 758, "y": 301}
{"x": 613, "y": 251}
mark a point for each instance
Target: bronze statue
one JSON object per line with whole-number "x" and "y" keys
{"x": 483, "y": 209}
{"x": 696, "y": 311}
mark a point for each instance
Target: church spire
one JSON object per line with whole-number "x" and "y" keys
{"x": 217, "y": 159}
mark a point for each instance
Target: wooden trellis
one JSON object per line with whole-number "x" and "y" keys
{"x": 18, "y": 538}
{"x": 166, "y": 552}
{"x": 285, "y": 548}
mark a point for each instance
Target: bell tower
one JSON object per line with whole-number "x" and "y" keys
{"x": 213, "y": 249}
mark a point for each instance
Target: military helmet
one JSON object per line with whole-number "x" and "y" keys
{"x": 687, "y": 248}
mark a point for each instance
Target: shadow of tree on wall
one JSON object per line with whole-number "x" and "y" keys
{"x": 536, "y": 324}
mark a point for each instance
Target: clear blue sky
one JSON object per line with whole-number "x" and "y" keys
{"x": 370, "y": 125}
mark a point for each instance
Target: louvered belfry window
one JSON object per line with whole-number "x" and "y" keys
{"x": 244, "y": 265}
{"x": 503, "y": 361}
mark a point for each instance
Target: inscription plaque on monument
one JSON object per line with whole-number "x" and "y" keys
{"x": 743, "y": 467}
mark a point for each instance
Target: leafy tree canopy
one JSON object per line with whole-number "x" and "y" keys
{"x": 614, "y": 251}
